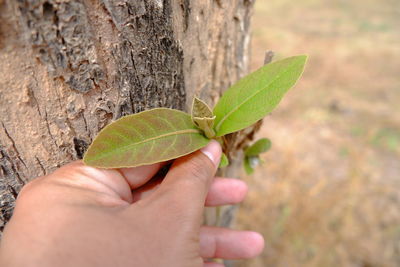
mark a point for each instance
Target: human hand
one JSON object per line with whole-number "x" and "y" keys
{"x": 84, "y": 216}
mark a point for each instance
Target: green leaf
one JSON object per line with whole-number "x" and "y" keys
{"x": 224, "y": 161}
{"x": 261, "y": 146}
{"x": 247, "y": 167}
{"x": 257, "y": 94}
{"x": 203, "y": 117}
{"x": 144, "y": 138}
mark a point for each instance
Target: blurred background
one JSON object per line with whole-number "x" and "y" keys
{"x": 328, "y": 193}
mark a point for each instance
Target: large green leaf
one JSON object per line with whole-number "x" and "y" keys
{"x": 148, "y": 137}
{"x": 257, "y": 94}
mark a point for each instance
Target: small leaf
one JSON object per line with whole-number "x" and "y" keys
{"x": 247, "y": 167}
{"x": 200, "y": 109}
{"x": 257, "y": 94}
{"x": 144, "y": 138}
{"x": 224, "y": 161}
{"x": 203, "y": 117}
{"x": 205, "y": 124}
{"x": 261, "y": 146}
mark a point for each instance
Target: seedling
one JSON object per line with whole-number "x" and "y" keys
{"x": 163, "y": 134}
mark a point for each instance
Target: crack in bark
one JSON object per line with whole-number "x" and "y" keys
{"x": 41, "y": 165}
{"x": 86, "y": 125}
{"x": 138, "y": 81}
{"x": 48, "y": 128}
{"x": 13, "y": 145}
{"x": 12, "y": 167}
{"x": 36, "y": 103}
{"x": 10, "y": 184}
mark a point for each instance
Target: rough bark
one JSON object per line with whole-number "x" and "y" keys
{"x": 68, "y": 68}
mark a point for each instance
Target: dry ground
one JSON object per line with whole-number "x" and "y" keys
{"x": 329, "y": 191}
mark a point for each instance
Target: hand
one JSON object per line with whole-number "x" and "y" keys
{"x": 84, "y": 216}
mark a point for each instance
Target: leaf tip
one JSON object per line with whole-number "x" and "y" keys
{"x": 302, "y": 58}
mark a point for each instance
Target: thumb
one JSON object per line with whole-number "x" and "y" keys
{"x": 188, "y": 180}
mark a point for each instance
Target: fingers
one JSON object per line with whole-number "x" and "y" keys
{"x": 146, "y": 190}
{"x": 139, "y": 176}
{"x": 186, "y": 184}
{"x": 229, "y": 244}
{"x": 213, "y": 264}
{"x": 115, "y": 183}
{"x": 223, "y": 191}
{"x": 107, "y": 182}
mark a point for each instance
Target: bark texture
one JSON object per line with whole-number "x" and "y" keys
{"x": 69, "y": 67}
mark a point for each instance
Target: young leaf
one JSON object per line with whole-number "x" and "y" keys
{"x": 203, "y": 117}
{"x": 261, "y": 146}
{"x": 200, "y": 109}
{"x": 205, "y": 124}
{"x": 224, "y": 161}
{"x": 257, "y": 94}
{"x": 247, "y": 167}
{"x": 144, "y": 138}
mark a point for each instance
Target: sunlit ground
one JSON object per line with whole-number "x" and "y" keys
{"x": 329, "y": 191}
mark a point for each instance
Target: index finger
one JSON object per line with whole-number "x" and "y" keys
{"x": 139, "y": 176}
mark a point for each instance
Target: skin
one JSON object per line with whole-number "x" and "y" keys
{"x": 84, "y": 216}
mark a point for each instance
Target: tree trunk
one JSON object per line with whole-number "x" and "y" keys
{"x": 69, "y": 67}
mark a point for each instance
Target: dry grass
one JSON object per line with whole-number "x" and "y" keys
{"x": 329, "y": 192}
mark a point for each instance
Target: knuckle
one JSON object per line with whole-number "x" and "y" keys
{"x": 200, "y": 169}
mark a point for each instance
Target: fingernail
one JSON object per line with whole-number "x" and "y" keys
{"x": 212, "y": 151}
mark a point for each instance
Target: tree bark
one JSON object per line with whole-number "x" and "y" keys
{"x": 69, "y": 67}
